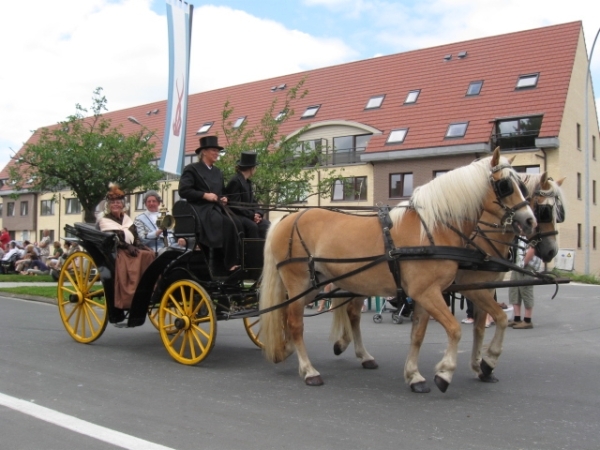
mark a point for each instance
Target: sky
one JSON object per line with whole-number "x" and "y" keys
{"x": 54, "y": 54}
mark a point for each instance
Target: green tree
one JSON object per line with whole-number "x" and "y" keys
{"x": 290, "y": 170}
{"x": 85, "y": 153}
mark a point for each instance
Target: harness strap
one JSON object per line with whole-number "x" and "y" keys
{"x": 388, "y": 243}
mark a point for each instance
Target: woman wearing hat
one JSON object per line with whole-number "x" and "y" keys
{"x": 202, "y": 185}
{"x": 145, "y": 223}
{"x": 133, "y": 257}
{"x": 239, "y": 190}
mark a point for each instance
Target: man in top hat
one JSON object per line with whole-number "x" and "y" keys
{"x": 241, "y": 193}
{"x": 202, "y": 185}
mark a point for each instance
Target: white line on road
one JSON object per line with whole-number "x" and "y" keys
{"x": 79, "y": 426}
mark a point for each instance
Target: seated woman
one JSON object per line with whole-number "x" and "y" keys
{"x": 239, "y": 190}
{"x": 133, "y": 258}
{"x": 202, "y": 185}
{"x": 24, "y": 263}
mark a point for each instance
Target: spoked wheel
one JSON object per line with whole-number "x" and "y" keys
{"x": 187, "y": 322}
{"x": 153, "y": 311}
{"x": 81, "y": 300}
{"x": 252, "y": 326}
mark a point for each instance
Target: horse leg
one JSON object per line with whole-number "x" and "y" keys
{"x": 295, "y": 325}
{"x": 412, "y": 376}
{"x": 354, "y": 311}
{"x": 341, "y": 330}
{"x": 490, "y": 358}
{"x": 479, "y": 317}
{"x": 447, "y": 365}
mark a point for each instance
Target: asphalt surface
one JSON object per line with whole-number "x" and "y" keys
{"x": 547, "y": 396}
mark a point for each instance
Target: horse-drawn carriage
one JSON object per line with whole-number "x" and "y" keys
{"x": 183, "y": 293}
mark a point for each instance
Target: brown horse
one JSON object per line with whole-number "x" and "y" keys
{"x": 305, "y": 247}
{"x": 547, "y": 204}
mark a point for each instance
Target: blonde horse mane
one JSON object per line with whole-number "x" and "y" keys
{"x": 454, "y": 197}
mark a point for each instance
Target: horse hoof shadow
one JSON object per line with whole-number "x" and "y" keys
{"x": 420, "y": 387}
{"x": 314, "y": 381}
{"x": 370, "y": 364}
{"x": 441, "y": 383}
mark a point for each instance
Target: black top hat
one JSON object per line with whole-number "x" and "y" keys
{"x": 247, "y": 160}
{"x": 208, "y": 142}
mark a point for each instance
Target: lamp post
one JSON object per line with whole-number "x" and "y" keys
{"x": 587, "y": 227}
{"x": 137, "y": 122}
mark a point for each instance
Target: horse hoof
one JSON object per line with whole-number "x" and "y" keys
{"x": 489, "y": 378}
{"x": 420, "y": 387}
{"x": 337, "y": 349}
{"x": 441, "y": 383}
{"x": 486, "y": 369}
{"x": 314, "y": 381}
{"x": 370, "y": 364}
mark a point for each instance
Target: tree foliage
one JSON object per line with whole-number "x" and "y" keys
{"x": 287, "y": 172}
{"x": 85, "y": 153}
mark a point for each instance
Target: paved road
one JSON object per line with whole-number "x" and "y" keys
{"x": 547, "y": 397}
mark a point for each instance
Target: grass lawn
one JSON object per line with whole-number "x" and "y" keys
{"x": 17, "y": 278}
{"x": 39, "y": 291}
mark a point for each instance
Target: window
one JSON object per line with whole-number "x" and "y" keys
{"x": 457, "y": 130}
{"x": 518, "y": 133}
{"x": 397, "y": 136}
{"x": 474, "y": 88}
{"x": 578, "y": 137}
{"x": 281, "y": 115}
{"x": 578, "y": 186}
{"x": 238, "y": 123}
{"x": 139, "y": 201}
{"x": 439, "y": 173}
{"x": 351, "y": 188}
{"x": 188, "y": 159}
{"x": 204, "y": 128}
{"x": 311, "y": 150}
{"x": 47, "y": 207}
{"x": 50, "y": 234}
{"x": 375, "y": 102}
{"x": 401, "y": 185}
{"x": 10, "y": 209}
{"x": 293, "y": 192}
{"x": 528, "y": 81}
{"x": 24, "y": 208}
{"x": 311, "y": 111}
{"x": 347, "y": 149}
{"x": 72, "y": 206}
{"x": 578, "y": 235}
{"x": 527, "y": 169}
{"x": 412, "y": 97}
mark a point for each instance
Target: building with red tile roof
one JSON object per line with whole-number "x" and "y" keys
{"x": 394, "y": 122}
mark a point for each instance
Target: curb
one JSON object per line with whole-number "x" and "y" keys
{"x": 33, "y": 298}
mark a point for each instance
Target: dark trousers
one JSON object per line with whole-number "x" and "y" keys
{"x": 250, "y": 227}
{"x": 232, "y": 228}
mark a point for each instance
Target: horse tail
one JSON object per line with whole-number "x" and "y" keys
{"x": 272, "y": 292}
{"x": 340, "y": 325}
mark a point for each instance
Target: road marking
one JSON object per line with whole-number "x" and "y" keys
{"x": 79, "y": 426}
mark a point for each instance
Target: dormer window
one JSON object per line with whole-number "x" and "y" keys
{"x": 457, "y": 130}
{"x": 412, "y": 96}
{"x": 204, "y": 128}
{"x": 527, "y": 81}
{"x": 238, "y": 123}
{"x": 397, "y": 136}
{"x": 311, "y": 111}
{"x": 375, "y": 102}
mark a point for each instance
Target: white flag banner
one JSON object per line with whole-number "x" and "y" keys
{"x": 179, "y": 17}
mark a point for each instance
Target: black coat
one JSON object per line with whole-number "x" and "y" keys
{"x": 239, "y": 190}
{"x": 196, "y": 180}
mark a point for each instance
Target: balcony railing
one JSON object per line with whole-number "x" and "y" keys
{"x": 515, "y": 141}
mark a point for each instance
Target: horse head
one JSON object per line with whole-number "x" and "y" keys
{"x": 548, "y": 207}
{"x": 507, "y": 197}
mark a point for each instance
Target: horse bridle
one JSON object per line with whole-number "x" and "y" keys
{"x": 545, "y": 214}
{"x": 503, "y": 188}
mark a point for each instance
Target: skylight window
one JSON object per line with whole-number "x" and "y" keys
{"x": 528, "y": 81}
{"x": 238, "y": 123}
{"x": 412, "y": 96}
{"x": 281, "y": 115}
{"x": 474, "y": 88}
{"x": 456, "y": 130}
{"x": 397, "y": 136}
{"x": 311, "y": 111}
{"x": 204, "y": 128}
{"x": 375, "y": 102}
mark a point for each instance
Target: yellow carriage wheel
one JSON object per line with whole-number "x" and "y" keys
{"x": 153, "y": 311}
{"x": 81, "y": 300}
{"x": 186, "y": 306}
{"x": 252, "y": 326}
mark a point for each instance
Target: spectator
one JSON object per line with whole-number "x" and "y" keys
{"x": 25, "y": 262}
{"x": 523, "y": 294}
{"x": 44, "y": 245}
{"x": 9, "y": 258}
{"x": 146, "y": 223}
{"x": 4, "y": 239}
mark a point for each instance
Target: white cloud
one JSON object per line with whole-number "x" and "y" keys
{"x": 60, "y": 51}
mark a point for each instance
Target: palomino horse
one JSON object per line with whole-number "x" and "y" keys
{"x": 547, "y": 204}
{"x": 303, "y": 248}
